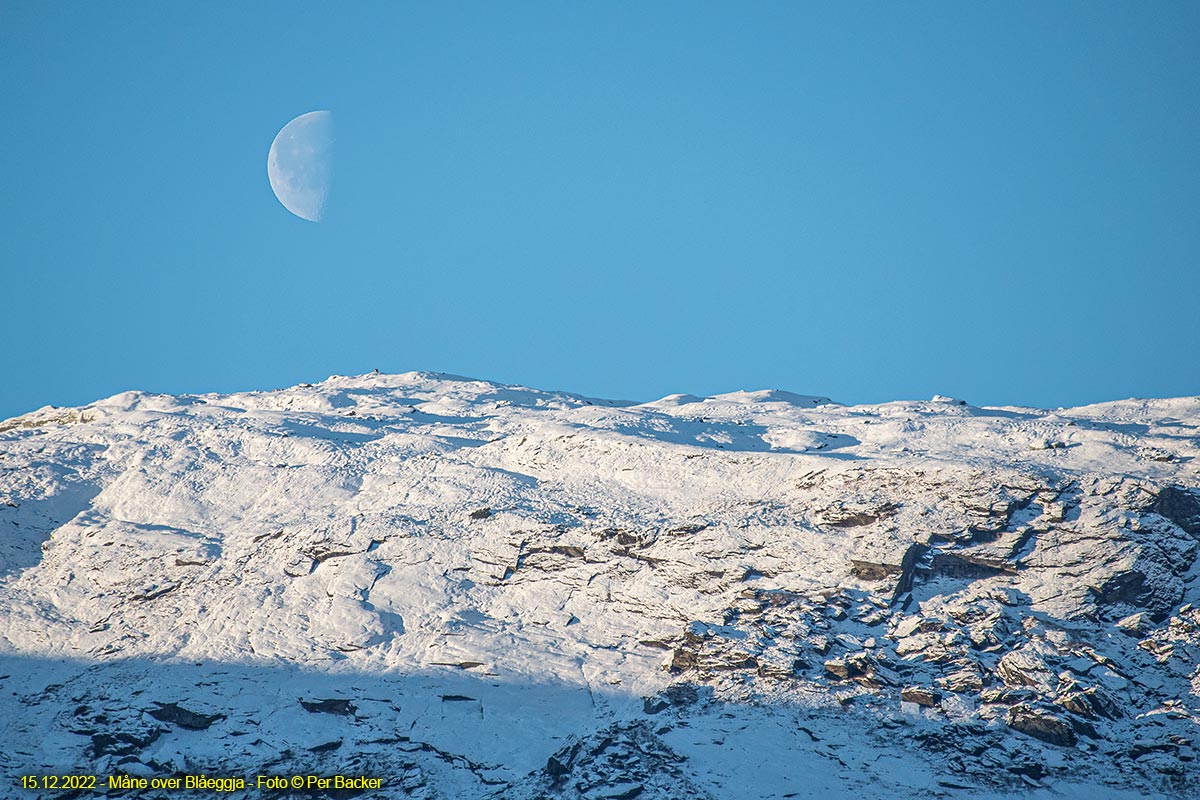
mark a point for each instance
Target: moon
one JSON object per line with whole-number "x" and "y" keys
{"x": 300, "y": 164}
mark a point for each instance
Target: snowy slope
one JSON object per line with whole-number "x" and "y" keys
{"x": 476, "y": 590}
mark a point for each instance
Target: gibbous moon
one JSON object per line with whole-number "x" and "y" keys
{"x": 300, "y": 164}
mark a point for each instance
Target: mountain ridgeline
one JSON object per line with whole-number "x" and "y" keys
{"x": 462, "y": 589}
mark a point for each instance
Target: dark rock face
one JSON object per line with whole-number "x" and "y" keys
{"x": 921, "y": 696}
{"x": 177, "y": 715}
{"x": 654, "y": 705}
{"x": 558, "y": 766}
{"x": 961, "y": 565}
{"x": 331, "y": 706}
{"x": 851, "y": 666}
{"x": 908, "y": 567}
{"x": 873, "y": 570}
{"x": 1090, "y": 702}
{"x": 327, "y": 747}
{"x": 1124, "y": 587}
{"x": 1157, "y": 592}
{"x": 842, "y": 517}
{"x": 682, "y": 659}
{"x": 119, "y": 731}
{"x": 1181, "y": 506}
{"x": 680, "y": 695}
{"x": 1041, "y": 725}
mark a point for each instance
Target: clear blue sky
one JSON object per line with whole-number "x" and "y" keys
{"x": 867, "y": 201}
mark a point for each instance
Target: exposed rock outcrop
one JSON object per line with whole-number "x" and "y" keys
{"x": 480, "y": 591}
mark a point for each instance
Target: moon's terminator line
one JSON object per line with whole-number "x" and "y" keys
{"x": 300, "y": 164}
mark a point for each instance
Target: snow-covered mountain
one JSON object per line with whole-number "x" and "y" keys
{"x": 469, "y": 590}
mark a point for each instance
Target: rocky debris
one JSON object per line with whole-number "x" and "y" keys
{"x": 624, "y": 760}
{"x": 778, "y": 636}
{"x": 113, "y": 728}
{"x": 1178, "y": 642}
{"x": 481, "y": 513}
{"x": 123, "y": 743}
{"x": 715, "y": 648}
{"x": 678, "y": 696}
{"x": 851, "y": 666}
{"x": 977, "y": 756}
